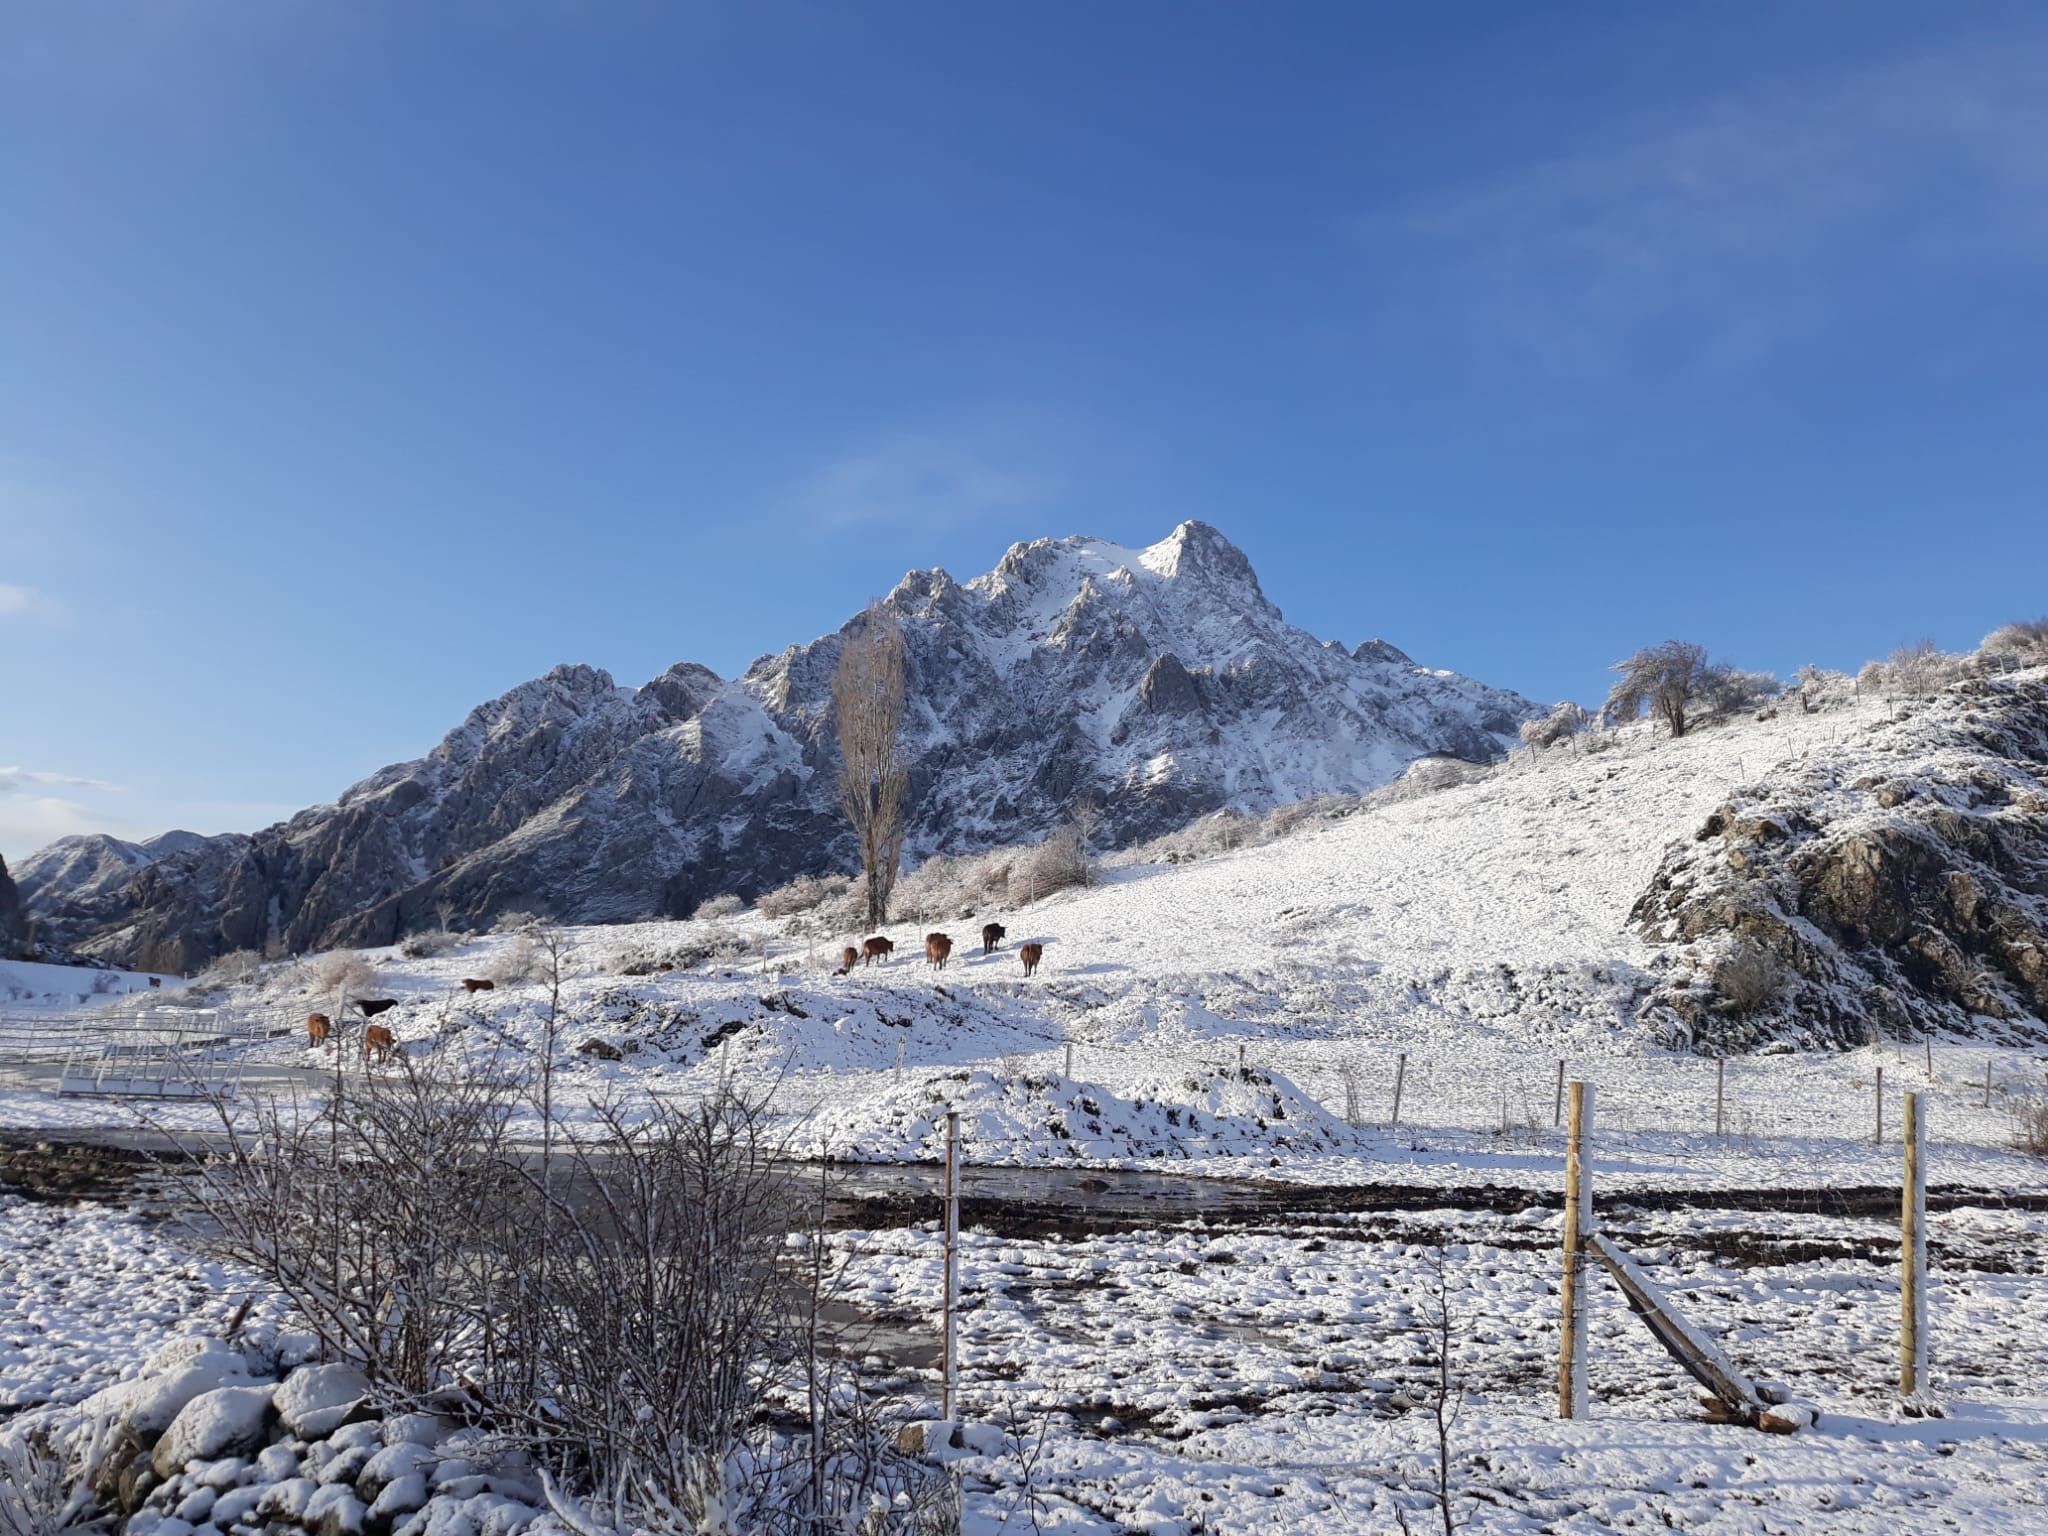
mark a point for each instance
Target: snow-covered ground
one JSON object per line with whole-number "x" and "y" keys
{"x": 1251, "y": 1015}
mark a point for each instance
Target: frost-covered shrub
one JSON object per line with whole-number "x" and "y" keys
{"x": 1283, "y": 819}
{"x": 1922, "y": 668}
{"x": 341, "y": 970}
{"x": 1430, "y": 776}
{"x": 515, "y": 922}
{"x": 1060, "y": 862}
{"x": 718, "y": 907}
{"x": 1732, "y": 691}
{"x": 524, "y": 959}
{"x": 712, "y": 944}
{"x": 1816, "y": 689}
{"x": 806, "y": 893}
{"x": 235, "y": 969}
{"x": 2030, "y": 1127}
{"x": 1565, "y": 719}
{"x": 1748, "y": 977}
{"x": 2022, "y": 644}
{"x": 425, "y": 945}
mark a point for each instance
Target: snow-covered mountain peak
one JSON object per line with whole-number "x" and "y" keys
{"x": 1157, "y": 683}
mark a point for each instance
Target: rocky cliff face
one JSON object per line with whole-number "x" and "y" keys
{"x": 1158, "y": 683}
{"x": 1897, "y": 888}
{"x": 88, "y": 867}
{"x": 13, "y": 916}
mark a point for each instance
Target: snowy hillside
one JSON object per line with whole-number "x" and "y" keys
{"x": 1463, "y": 942}
{"x": 1157, "y": 683}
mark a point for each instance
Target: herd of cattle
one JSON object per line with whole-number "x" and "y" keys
{"x": 938, "y": 949}
{"x": 380, "y": 1043}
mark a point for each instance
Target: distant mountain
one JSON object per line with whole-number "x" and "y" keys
{"x": 1158, "y": 683}
{"x": 86, "y": 868}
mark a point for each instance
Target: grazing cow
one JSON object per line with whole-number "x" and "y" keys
{"x": 876, "y": 949}
{"x": 938, "y": 947}
{"x": 992, "y": 936}
{"x": 472, "y": 985}
{"x": 156, "y": 981}
{"x": 370, "y": 1007}
{"x": 666, "y": 965}
{"x": 378, "y": 1043}
{"x": 1030, "y": 954}
{"x": 849, "y": 957}
{"x": 318, "y": 1027}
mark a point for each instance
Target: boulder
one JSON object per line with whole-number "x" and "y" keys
{"x": 394, "y": 1462}
{"x": 228, "y": 1421}
{"x": 334, "y": 1511}
{"x": 316, "y": 1400}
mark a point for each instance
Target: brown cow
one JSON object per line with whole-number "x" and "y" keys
{"x": 938, "y": 947}
{"x": 849, "y": 957}
{"x": 318, "y": 1027}
{"x": 378, "y": 1043}
{"x": 471, "y": 985}
{"x": 1030, "y": 954}
{"x": 876, "y": 949}
{"x": 370, "y": 1007}
{"x": 992, "y": 936}
{"x": 666, "y": 965}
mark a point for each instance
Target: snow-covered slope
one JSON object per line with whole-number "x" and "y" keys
{"x": 1158, "y": 683}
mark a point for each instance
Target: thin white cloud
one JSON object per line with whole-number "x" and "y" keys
{"x": 16, "y": 781}
{"x": 920, "y": 480}
{"x": 1714, "y": 232}
{"x": 17, "y": 601}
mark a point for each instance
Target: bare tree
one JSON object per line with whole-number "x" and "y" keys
{"x": 874, "y": 779}
{"x": 1672, "y": 680}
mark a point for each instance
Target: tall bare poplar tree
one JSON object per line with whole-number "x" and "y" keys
{"x": 874, "y": 781}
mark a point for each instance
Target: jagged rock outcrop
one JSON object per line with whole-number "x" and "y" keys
{"x": 1158, "y": 683}
{"x": 1897, "y": 888}
{"x": 13, "y": 916}
{"x": 86, "y": 867}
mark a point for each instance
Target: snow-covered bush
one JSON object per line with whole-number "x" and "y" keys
{"x": 718, "y": 907}
{"x": 1922, "y": 668}
{"x": 713, "y": 944}
{"x": 1732, "y": 691}
{"x": 2020, "y": 644}
{"x": 234, "y": 969}
{"x": 806, "y": 893}
{"x": 527, "y": 958}
{"x": 1817, "y": 689}
{"x": 1430, "y": 776}
{"x": 1060, "y": 862}
{"x": 1296, "y": 814}
{"x": 1748, "y": 977}
{"x": 1565, "y": 719}
{"x": 427, "y": 943}
{"x": 2030, "y": 1127}
{"x": 515, "y": 922}
{"x": 341, "y": 970}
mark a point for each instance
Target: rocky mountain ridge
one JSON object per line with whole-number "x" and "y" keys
{"x": 1158, "y": 684}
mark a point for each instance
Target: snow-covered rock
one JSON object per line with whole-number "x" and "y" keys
{"x": 228, "y": 1421}
{"x": 1159, "y": 682}
{"x": 315, "y": 1400}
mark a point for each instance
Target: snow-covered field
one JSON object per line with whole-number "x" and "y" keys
{"x": 1251, "y": 1015}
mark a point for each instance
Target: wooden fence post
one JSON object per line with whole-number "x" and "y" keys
{"x": 950, "y": 1344}
{"x": 1070, "y": 1061}
{"x": 1720, "y": 1096}
{"x": 1913, "y": 1259}
{"x": 1878, "y": 1139}
{"x": 1987, "y": 1082}
{"x": 1578, "y": 1225}
{"x": 1400, "y": 1076}
{"x": 1557, "y": 1105}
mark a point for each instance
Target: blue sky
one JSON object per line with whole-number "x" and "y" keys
{"x": 358, "y": 362}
